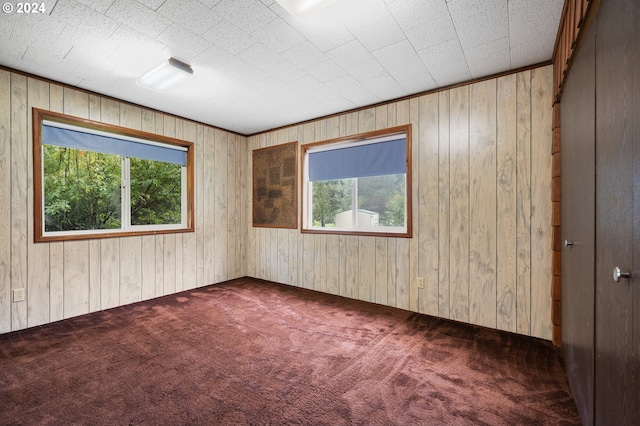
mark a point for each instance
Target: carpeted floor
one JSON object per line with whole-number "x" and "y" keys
{"x": 250, "y": 352}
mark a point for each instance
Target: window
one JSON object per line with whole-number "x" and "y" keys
{"x": 359, "y": 185}
{"x": 95, "y": 180}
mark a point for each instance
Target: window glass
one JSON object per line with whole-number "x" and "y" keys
{"x": 359, "y": 185}
{"x": 94, "y": 180}
{"x": 156, "y": 192}
{"x": 81, "y": 190}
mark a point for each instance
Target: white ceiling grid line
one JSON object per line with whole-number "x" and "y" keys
{"x": 256, "y": 67}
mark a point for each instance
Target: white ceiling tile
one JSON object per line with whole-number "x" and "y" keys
{"x": 92, "y": 76}
{"x": 80, "y": 16}
{"x": 183, "y": 44}
{"x": 534, "y": 21}
{"x": 445, "y": 60}
{"x": 396, "y": 55}
{"x": 479, "y": 21}
{"x": 247, "y": 15}
{"x": 12, "y": 53}
{"x": 385, "y": 87}
{"x": 135, "y": 41}
{"x": 191, "y": 14}
{"x": 349, "y": 54}
{"x": 414, "y": 78}
{"x": 342, "y": 84}
{"x": 132, "y": 62}
{"x": 99, "y": 6}
{"x": 36, "y": 29}
{"x": 59, "y": 70}
{"x": 326, "y": 71}
{"x": 278, "y": 36}
{"x": 229, "y": 37}
{"x": 379, "y": 34}
{"x": 432, "y": 32}
{"x": 261, "y": 56}
{"x": 532, "y": 53}
{"x": 138, "y": 16}
{"x": 209, "y": 3}
{"x": 367, "y": 69}
{"x": 360, "y": 95}
{"x": 411, "y": 13}
{"x": 77, "y": 37}
{"x": 490, "y": 58}
{"x": 55, "y": 57}
{"x": 6, "y": 27}
{"x": 305, "y": 55}
{"x": 313, "y": 88}
{"x": 152, "y": 4}
{"x": 356, "y": 13}
{"x": 405, "y": 66}
{"x": 324, "y": 32}
{"x": 285, "y": 72}
{"x": 231, "y": 65}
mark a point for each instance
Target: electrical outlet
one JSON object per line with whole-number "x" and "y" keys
{"x": 18, "y": 295}
{"x": 420, "y": 282}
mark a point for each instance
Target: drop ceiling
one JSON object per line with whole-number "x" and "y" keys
{"x": 256, "y": 67}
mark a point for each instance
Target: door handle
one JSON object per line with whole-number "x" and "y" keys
{"x": 618, "y": 274}
{"x": 568, "y": 244}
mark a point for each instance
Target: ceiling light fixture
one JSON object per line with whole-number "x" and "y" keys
{"x": 302, "y": 8}
{"x": 166, "y": 76}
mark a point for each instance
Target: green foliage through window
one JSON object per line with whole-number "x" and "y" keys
{"x": 81, "y": 189}
{"x": 156, "y": 192}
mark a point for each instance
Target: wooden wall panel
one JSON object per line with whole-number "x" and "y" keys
{"x": 479, "y": 185}
{"x": 459, "y": 204}
{"x": 64, "y": 279}
{"x": 426, "y": 204}
{"x": 443, "y": 206}
{"x": 506, "y": 204}
{"x": 482, "y": 204}
{"x": 37, "y": 254}
{"x": 5, "y": 201}
{"x": 541, "y": 162}
{"x": 19, "y": 214}
{"x": 523, "y": 203}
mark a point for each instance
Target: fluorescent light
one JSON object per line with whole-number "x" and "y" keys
{"x": 302, "y": 8}
{"x": 166, "y": 76}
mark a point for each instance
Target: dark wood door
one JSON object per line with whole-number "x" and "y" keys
{"x": 616, "y": 136}
{"x": 634, "y": 55}
{"x": 578, "y": 225}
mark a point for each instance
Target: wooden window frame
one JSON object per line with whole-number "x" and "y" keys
{"x": 398, "y": 130}
{"x": 40, "y": 115}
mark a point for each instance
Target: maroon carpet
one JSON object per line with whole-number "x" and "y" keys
{"x": 254, "y": 352}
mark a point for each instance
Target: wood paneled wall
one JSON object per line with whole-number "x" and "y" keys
{"x": 64, "y": 279}
{"x": 481, "y": 210}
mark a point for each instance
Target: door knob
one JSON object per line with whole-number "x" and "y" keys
{"x": 617, "y": 274}
{"x": 568, "y": 243}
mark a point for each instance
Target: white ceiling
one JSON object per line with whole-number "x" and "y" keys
{"x": 257, "y": 67}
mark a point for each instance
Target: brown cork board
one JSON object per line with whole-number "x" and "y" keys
{"x": 275, "y": 186}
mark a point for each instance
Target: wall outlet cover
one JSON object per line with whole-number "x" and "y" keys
{"x": 18, "y": 295}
